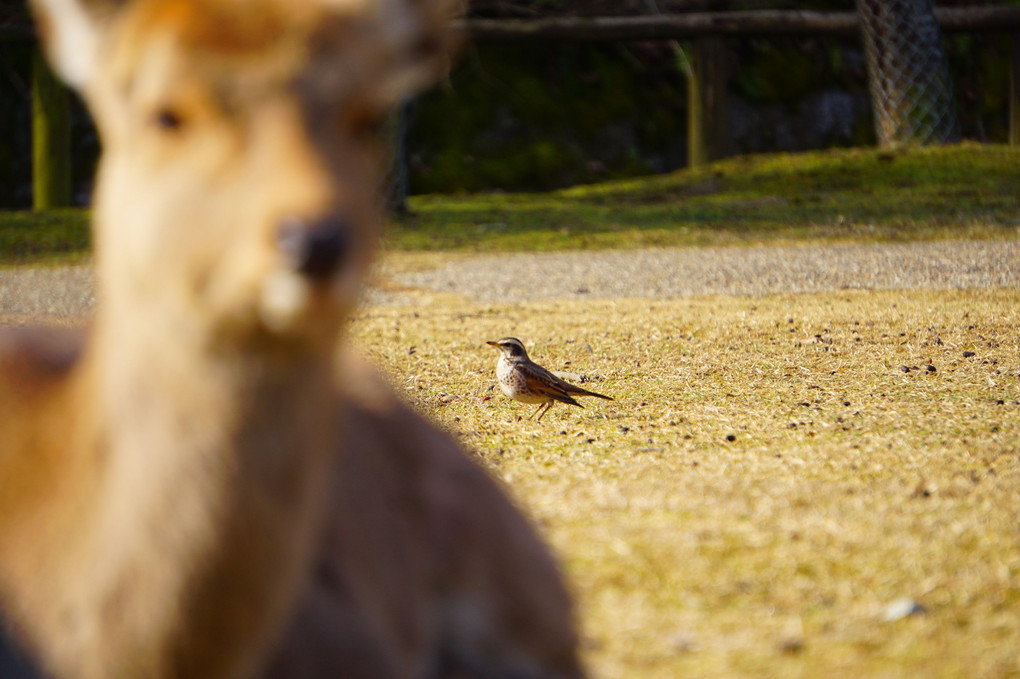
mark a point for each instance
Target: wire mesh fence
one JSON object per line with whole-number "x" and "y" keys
{"x": 911, "y": 91}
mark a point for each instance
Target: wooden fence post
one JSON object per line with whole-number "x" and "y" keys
{"x": 1014, "y": 92}
{"x": 707, "y": 137}
{"x": 51, "y": 137}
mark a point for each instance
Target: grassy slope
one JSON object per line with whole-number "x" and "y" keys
{"x": 849, "y": 483}
{"x": 864, "y": 194}
{"x": 861, "y": 194}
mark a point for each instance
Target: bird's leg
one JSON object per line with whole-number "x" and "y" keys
{"x": 548, "y": 405}
{"x": 540, "y": 406}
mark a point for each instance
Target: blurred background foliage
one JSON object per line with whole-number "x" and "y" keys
{"x": 538, "y": 116}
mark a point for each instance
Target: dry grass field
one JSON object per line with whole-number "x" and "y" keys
{"x": 773, "y": 474}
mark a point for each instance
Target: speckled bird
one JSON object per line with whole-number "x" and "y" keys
{"x": 523, "y": 380}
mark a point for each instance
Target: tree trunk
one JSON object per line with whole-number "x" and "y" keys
{"x": 911, "y": 91}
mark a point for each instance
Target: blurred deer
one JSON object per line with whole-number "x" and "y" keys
{"x": 204, "y": 484}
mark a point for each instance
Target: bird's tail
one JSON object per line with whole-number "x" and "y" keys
{"x": 578, "y": 391}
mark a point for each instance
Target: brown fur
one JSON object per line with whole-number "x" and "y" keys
{"x": 198, "y": 486}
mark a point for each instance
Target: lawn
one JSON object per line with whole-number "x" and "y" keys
{"x": 849, "y": 195}
{"x": 773, "y": 474}
{"x": 862, "y": 195}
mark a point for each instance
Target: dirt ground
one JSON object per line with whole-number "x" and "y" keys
{"x": 662, "y": 273}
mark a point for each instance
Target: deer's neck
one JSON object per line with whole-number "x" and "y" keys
{"x": 197, "y": 506}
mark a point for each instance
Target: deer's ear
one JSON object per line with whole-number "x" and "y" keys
{"x": 71, "y": 32}
{"x": 419, "y": 42}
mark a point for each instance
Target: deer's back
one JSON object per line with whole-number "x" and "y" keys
{"x": 426, "y": 562}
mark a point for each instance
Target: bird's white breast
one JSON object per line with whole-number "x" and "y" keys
{"x": 509, "y": 381}
{"x": 513, "y": 383}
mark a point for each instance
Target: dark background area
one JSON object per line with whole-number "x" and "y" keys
{"x": 536, "y": 116}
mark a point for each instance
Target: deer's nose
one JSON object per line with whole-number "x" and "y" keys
{"x": 315, "y": 248}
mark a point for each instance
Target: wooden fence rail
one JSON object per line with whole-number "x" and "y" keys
{"x": 690, "y": 25}
{"x": 703, "y": 24}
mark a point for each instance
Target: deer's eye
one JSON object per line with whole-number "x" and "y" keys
{"x": 367, "y": 124}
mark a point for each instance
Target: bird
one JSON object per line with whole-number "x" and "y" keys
{"x": 523, "y": 380}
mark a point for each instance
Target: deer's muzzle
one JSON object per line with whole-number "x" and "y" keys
{"x": 315, "y": 249}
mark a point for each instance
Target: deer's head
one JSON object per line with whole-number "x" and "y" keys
{"x": 239, "y": 178}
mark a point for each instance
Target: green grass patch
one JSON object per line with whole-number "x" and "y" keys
{"x": 965, "y": 191}
{"x": 48, "y": 237}
{"x": 864, "y": 195}
{"x": 768, "y": 479}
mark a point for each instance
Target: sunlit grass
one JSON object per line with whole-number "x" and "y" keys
{"x": 768, "y": 479}
{"x": 967, "y": 191}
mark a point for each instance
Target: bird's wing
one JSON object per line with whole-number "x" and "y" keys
{"x": 544, "y": 382}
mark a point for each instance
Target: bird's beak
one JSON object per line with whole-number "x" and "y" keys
{"x": 493, "y": 344}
